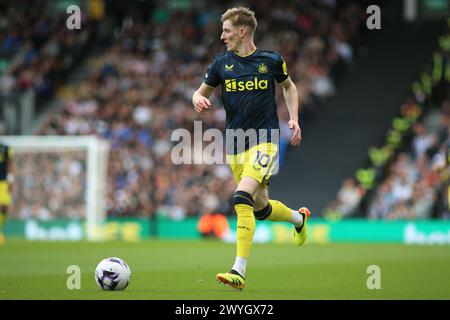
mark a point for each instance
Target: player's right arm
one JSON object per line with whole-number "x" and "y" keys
{"x": 200, "y": 98}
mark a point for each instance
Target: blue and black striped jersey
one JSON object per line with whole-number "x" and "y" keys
{"x": 248, "y": 89}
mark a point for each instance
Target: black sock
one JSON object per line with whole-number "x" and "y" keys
{"x": 236, "y": 273}
{"x": 299, "y": 229}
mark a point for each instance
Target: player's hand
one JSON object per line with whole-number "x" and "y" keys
{"x": 202, "y": 105}
{"x": 297, "y": 134}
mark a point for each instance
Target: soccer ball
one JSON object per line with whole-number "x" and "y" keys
{"x": 112, "y": 274}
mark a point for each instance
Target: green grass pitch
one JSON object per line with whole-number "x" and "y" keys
{"x": 186, "y": 270}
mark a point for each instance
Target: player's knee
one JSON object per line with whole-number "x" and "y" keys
{"x": 242, "y": 197}
{"x": 263, "y": 213}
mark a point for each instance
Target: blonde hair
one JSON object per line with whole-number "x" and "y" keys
{"x": 241, "y": 17}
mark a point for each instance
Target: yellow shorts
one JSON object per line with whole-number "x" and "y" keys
{"x": 259, "y": 162}
{"x": 5, "y": 197}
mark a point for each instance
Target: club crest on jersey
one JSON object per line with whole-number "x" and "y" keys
{"x": 262, "y": 68}
{"x": 229, "y": 68}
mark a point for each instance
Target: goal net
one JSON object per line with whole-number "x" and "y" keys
{"x": 60, "y": 177}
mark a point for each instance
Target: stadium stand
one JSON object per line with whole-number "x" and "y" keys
{"x": 141, "y": 87}
{"x": 412, "y": 178}
{"x": 128, "y": 101}
{"x": 36, "y": 52}
{"x": 35, "y": 47}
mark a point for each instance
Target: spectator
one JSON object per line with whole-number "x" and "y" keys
{"x": 349, "y": 196}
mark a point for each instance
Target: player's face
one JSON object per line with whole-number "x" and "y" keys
{"x": 230, "y": 35}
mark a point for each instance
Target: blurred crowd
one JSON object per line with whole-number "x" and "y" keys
{"x": 36, "y": 48}
{"x": 416, "y": 186}
{"x": 140, "y": 91}
{"x": 414, "y": 183}
{"x": 57, "y": 191}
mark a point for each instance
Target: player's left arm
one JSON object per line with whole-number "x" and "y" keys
{"x": 291, "y": 98}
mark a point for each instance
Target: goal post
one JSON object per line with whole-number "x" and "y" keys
{"x": 60, "y": 177}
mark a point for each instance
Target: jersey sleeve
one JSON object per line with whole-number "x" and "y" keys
{"x": 212, "y": 76}
{"x": 280, "y": 69}
{"x": 10, "y": 153}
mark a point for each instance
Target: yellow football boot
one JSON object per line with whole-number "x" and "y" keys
{"x": 232, "y": 278}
